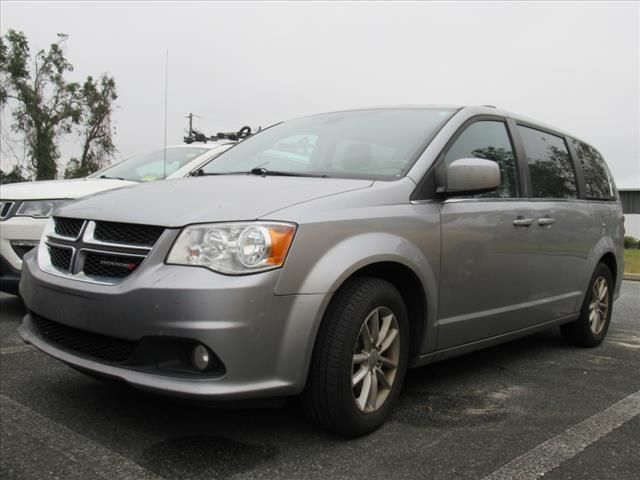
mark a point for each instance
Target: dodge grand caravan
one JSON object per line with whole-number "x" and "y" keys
{"x": 326, "y": 255}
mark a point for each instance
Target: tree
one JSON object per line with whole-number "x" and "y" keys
{"x": 507, "y": 164}
{"x": 14, "y": 176}
{"x": 47, "y": 106}
{"x": 96, "y": 130}
{"x": 553, "y": 176}
{"x": 3, "y": 81}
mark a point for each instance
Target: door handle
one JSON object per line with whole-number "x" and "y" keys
{"x": 522, "y": 222}
{"x": 546, "y": 221}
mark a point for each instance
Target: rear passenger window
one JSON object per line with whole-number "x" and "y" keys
{"x": 596, "y": 175}
{"x": 550, "y": 167}
{"x": 488, "y": 140}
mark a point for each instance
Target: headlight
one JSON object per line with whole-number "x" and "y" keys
{"x": 39, "y": 208}
{"x": 233, "y": 248}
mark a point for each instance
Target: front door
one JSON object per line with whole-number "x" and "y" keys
{"x": 487, "y": 247}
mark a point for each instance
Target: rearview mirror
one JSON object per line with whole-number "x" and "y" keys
{"x": 472, "y": 175}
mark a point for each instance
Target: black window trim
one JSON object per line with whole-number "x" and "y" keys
{"x": 578, "y": 166}
{"x": 577, "y": 169}
{"x": 423, "y": 192}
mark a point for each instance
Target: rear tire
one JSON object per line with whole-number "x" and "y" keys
{"x": 592, "y": 325}
{"x": 360, "y": 358}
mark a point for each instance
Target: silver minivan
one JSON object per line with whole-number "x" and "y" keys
{"x": 325, "y": 255}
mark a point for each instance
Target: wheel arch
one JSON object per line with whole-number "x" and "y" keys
{"x": 604, "y": 251}
{"x": 419, "y": 299}
{"x": 412, "y": 292}
{"x": 609, "y": 259}
{"x": 377, "y": 254}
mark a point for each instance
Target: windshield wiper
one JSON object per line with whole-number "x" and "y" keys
{"x": 111, "y": 178}
{"x": 261, "y": 171}
{"x": 201, "y": 173}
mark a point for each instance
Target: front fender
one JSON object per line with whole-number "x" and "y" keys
{"x": 324, "y": 274}
{"x": 328, "y": 271}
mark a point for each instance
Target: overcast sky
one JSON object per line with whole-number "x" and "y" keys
{"x": 572, "y": 65}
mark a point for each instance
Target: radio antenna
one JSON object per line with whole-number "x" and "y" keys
{"x": 166, "y": 95}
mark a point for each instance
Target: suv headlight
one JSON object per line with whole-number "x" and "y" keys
{"x": 39, "y": 208}
{"x": 233, "y": 248}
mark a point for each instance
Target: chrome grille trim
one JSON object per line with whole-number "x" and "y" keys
{"x": 84, "y": 244}
{"x": 60, "y": 236}
{"x": 71, "y": 261}
{"x": 89, "y": 237}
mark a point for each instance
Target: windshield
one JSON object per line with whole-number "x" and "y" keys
{"x": 149, "y": 167}
{"x": 373, "y": 144}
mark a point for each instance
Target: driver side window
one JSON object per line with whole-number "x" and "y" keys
{"x": 488, "y": 140}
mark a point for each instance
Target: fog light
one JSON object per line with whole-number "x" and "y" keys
{"x": 200, "y": 357}
{"x": 21, "y": 247}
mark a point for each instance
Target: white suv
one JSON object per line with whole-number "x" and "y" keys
{"x": 25, "y": 207}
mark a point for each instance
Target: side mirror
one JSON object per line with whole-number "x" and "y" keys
{"x": 472, "y": 175}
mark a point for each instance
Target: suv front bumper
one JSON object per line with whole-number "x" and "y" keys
{"x": 263, "y": 340}
{"x": 16, "y": 229}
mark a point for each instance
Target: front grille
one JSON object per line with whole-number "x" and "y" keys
{"x": 113, "y": 266}
{"x": 96, "y": 251}
{"x": 127, "y": 233}
{"x": 82, "y": 342}
{"x": 60, "y": 257}
{"x": 68, "y": 227}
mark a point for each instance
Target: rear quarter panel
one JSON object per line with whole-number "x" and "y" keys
{"x": 608, "y": 221}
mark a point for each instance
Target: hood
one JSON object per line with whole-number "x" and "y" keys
{"x": 59, "y": 189}
{"x": 175, "y": 203}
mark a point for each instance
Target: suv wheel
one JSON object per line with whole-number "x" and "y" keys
{"x": 591, "y": 326}
{"x": 360, "y": 358}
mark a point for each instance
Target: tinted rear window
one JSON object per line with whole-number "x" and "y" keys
{"x": 550, "y": 167}
{"x": 598, "y": 185}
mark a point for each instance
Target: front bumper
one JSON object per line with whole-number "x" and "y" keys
{"x": 263, "y": 340}
{"x": 19, "y": 229}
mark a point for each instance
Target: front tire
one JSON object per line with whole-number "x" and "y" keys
{"x": 592, "y": 325}
{"x": 360, "y": 358}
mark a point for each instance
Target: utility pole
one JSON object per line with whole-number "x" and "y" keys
{"x": 166, "y": 101}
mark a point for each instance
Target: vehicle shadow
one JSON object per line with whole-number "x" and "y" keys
{"x": 11, "y": 308}
{"x": 11, "y": 312}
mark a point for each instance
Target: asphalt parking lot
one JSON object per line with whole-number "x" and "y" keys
{"x": 530, "y": 407}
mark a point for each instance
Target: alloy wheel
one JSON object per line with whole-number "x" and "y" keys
{"x": 599, "y": 306}
{"x": 375, "y": 359}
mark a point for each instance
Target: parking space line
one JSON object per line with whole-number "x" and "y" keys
{"x": 103, "y": 462}
{"x": 549, "y": 455}
{"x": 16, "y": 349}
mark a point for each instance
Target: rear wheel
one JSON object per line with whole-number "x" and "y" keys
{"x": 595, "y": 316}
{"x": 359, "y": 360}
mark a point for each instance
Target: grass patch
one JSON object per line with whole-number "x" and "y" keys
{"x": 632, "y": 260}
